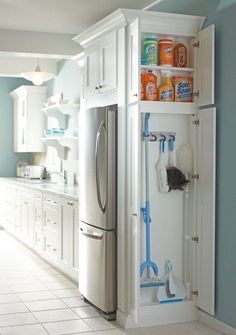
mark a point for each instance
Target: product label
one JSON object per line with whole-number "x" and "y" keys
{"x": 151, "y": 54}
{"x": 166, "y": 95}
{"x": 151, "y": 91}
{"x": 168, "y": 50}
{"x": 183, "y": 90}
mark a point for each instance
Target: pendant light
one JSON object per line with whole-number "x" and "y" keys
{"x": 38, "y": 77}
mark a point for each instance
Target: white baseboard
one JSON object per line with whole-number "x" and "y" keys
{"x": 215, "y": 324}
{"x": 156, "y": 314}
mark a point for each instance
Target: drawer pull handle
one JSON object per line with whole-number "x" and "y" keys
{"x": 48, "y": 246}
{"x": 70, "y": 203}
{"x": 54, "y": 222}
{"x": 54, "y": 249}
{"x": 54, "y": 202}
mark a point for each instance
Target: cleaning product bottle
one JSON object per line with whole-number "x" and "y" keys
{"x": 166, "y": 90}
{"x": 150, "y": 86}
{"x": 143, "y": 96}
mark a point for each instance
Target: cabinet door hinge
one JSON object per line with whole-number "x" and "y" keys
{"x": 196, "y": 94}
{"x": 196, "y": 44}
{"x": 195, "y": 239}
{"x": 196, "y": 122}
{"x": 195, "y": 292}
{"x": 196, "y": 176}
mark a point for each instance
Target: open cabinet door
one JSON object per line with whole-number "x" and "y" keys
{"x": 206, "y": 66}
{"x": 206, "y": 210}
{"x": 133, "y": 240}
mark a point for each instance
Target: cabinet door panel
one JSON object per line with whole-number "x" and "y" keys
{"x": 20, "y": 124}
{"x": 206, "y": 66}
{"x": 133, "y": 153}
{"x": 67, "y": 234}
{"x": 108, "y": 63}
{"x": 91, "y": 74}
{"x": 134, "y": 61}
{"x": 206, "y": 211}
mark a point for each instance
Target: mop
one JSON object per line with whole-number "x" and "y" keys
{"x": 148, "y": 264}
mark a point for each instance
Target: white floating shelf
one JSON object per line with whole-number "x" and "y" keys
{"x": 167, "y": 68}
{"x": 63, "y": 144}
{"x": 67, "y": 109}
{"x": 178, "y": 108}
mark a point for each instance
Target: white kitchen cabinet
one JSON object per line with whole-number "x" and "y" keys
{"x": 29, "y": 121}
{"x": 45, "y": 222}
{"x": 52, "y": 218}
{"x": 38, "y": 222}
{"x": 27, "y": 222}
{"x": 100, "y": 70}
{"x": 70, "y": 234}
{"x": 183, "y": 223}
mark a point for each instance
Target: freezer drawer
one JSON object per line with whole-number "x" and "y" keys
{"x": 97, "y": 273}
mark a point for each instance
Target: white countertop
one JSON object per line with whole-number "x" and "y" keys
{"x": 70, "y": 191}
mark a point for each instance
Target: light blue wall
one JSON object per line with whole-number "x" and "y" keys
{"x": 222, "y": 13}
{"x": 67, "y": 81}
{"x": 8, "y": 159}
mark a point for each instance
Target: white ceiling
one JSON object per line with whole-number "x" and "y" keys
{"x": 59, "y": 16}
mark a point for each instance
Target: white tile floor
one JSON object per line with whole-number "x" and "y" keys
{"x": 35, "y": 299}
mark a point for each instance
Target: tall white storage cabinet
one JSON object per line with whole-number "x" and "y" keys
{"x": 29, "y": 120}
{"x": 183, "y": 222}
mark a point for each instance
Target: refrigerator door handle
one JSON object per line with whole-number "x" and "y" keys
{"x": 95, "y": 236}
{"x": 100, "y": 129}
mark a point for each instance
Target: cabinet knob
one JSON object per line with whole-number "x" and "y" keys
{"x": 96, "y": 87}
{"x": 70, "y": 203}
{"x": 135, "y": 94}
{"x": 100, "y": 86}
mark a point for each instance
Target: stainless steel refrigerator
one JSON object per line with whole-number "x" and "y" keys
{"x": 98, "y": 196}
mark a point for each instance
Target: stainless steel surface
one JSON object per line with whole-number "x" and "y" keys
{"x": 92, "y": 234}
{"x": 97, "y": 281}
{"x": 98, "y": 267}
{"x": 98, "y": 168}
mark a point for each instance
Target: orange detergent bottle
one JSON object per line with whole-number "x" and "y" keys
{"x": 166, "y": 90}
{"x": 150, "y": 86}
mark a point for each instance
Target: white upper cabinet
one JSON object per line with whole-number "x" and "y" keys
{"x": 108, "y": 62}
{"x": 29, "y": 120}
{"x": 100, "y": 72}
{"x": 206, "y": 66}
{"x": 91, "y": 70}
{"x": 206, "y": 150}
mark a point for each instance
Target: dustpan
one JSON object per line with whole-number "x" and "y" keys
{"x": 174, "y": 290}
{"x": 148, "y": 265}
